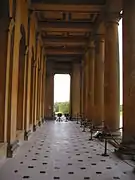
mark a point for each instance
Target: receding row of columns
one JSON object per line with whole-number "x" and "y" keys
{"x": 101, "y": 99}
{"x": 101, "y": 77}
{"x": 23, "y": 76}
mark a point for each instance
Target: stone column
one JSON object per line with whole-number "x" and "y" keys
{"x": 10, "y": 50}
{"x": 5, "y": 40}
{"x": 91, "y": 80}
{"x": 128, "y": 71}
{"x": 81, "y": 86}
{"x": 49, "y": 92}
{"x": 75, "y": 90}
{"x": 70, "y": 108}
{"x": 30, "y": 72}
{"x": 44, "y": 87}
{"x": 111, "y": 75}
{"x": 36, "y": 91}
{"x": 99, "y": 80}
{"x": 41, "y": 89}
{"x": 26, "y": 121}
{"x": 30, "y": 89}
{"x": 84, "y": 88}
{"x": 33, "y": 94}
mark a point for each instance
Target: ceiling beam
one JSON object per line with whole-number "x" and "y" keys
{"x": 49, "y": 43}
{"x": 65, "y": 27}
{"x": 69, "y": 39}
{"x": 66, "y": 8}
{"x": 63, "y": 52}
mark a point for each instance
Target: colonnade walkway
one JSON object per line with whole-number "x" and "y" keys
{"x": 60, "y": 150}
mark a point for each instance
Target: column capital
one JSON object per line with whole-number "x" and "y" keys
{"x": 112, "y": 17}
{"x": 99, "y": 37}
{"x": 91, "y": 45}
{"x": 26, "y": 50}
{"x": 30, "y": 13}
{"x": 11, "y": 25}
{"x": 37, "y": 36}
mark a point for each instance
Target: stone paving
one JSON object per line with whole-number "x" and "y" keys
{"x": 60, "y": 150}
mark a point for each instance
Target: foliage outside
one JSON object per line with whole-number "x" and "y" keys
{"x": 62, "y": 107}
{"x": 121, "y": 108}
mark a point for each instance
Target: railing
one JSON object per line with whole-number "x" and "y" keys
{"x": 106, "y": 135}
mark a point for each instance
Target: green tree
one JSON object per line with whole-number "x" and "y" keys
{"x": 56, "y": 107}
{"x": 121, "y": 107}
{"x": 62, "y": 107}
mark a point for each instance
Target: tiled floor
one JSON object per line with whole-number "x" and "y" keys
{"x": 60, "y": 150}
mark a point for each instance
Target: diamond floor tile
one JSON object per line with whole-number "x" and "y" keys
{"x": 60, "y": 150}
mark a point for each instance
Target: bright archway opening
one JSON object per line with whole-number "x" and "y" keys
{"x": 121, "y": 72}
{"x": 62, "y": 93}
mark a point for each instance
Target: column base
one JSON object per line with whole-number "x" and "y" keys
{"x": 34, "y": 128}
{"x": 26, "y": 135}
{"x": 134, "y": 170}
{"x": 49, "y": 118}
{"x": 126, "y": 152}
{"x": 3, "y": 149}
{"x": 11, "y": 148}
{"x": 43, "y": 120}
{"x": 39, "y": 123}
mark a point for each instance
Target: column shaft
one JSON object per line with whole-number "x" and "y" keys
{"x": 25, "y": 119}
{"x": 44, "y": 87}
{"x": 75, "y": 89}
{"x": 9, "y": 83}
{"x": 36, "y": 93}
{"x": 91, "y": 81}
{"x": 128, "y": 71}
{"x": 81, "y": 100}
{"x": 21, "y": 86}
{"x": 41, "y": 87}
{"x": 99, "y": 80}
{"x": 49, "y": 94}
{"x": 33, "y": 92}
{"x": 111, "y": 76}
{"x": 30, "y": 103}
{"x": 86, "y": 88}
{"x": 5, "y": 42}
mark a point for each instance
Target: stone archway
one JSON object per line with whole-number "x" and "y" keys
{"x": 20, "y": 99}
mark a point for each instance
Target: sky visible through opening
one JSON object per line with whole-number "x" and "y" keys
{"x": 62, "y": 81}
{"x": 61, "y": 88}
{"x": 120, "y": 58}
